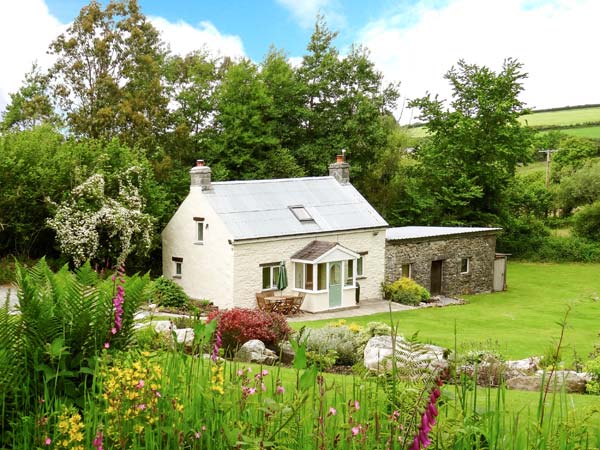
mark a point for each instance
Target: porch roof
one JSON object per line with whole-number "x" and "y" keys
{"x": 316, "y": 250}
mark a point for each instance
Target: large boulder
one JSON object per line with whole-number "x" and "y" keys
{"x": 527, "y": 366}
{"x": 255, "y": 351}
{"x": 184, "y": 336}
{"x": 378, "y": 355}
{"x": 569, "y": 380}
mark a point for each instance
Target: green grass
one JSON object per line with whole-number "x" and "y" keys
{"x": 556, "y": 119}
{"x": 520, "y": 322}
{"x": 534, "y": 167}
{"x": 585, "y": 132}
{"x": 564, "y": 117}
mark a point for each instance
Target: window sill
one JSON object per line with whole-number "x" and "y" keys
{"x": 362, "y": 277}
{"x": 177, "y": 276}
{"x": 199, "y": 243}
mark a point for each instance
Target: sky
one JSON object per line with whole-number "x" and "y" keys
{"x": 413, "y": 42}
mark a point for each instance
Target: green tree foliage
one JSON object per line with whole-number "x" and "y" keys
{"x": 474, "y": 146}
{"x": 30, "y": 105}
{"x": 345, "y": 99}
{"x": 108, "y": 74}
{"x": 586, "y": 222}
{"x": 40, "y": 166}
{"x": 246, "y": 145}
{"x": 573, "y": 152}
{"x": 192, "y": 81}
{"x": 579, "y": 189}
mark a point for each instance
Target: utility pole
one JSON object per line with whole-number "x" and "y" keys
{"x": 548, "y": 153}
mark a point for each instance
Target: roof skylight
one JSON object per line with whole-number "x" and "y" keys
{"x": 301, "y": 213}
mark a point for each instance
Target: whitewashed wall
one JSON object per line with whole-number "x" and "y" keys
{"x": 207, "y": 270}
{"x": 248, "y": 255}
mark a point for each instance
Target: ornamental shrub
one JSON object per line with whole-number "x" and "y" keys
{"x": 586, "y": 222}
{"x": 239, "y": 325}
{"x": 593, "y": 368}
{"x": 406, "y": 291}
{"x": 339, "y": 339}
{"x": 165, "y": 292}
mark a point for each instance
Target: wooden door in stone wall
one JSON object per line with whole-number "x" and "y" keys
{"x": 436, "y": 277}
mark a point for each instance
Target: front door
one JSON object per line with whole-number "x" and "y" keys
{"x": 499, "y": 274}
{"x": 335, "y": 284}
{"x": 436, "y": 277}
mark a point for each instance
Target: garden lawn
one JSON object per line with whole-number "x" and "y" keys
{"x": 520, "y": 322}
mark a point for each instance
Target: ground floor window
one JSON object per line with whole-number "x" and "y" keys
{"x": 407, "y": 270}
{"x": 270, "y": 274}
{"x": 306, "y": 274}
{"x": 177, "y": 266}
{"x": 349, "y": 266}
{"x": 465, "y": 264}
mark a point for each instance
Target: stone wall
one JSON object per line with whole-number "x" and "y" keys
{"x": 480, "y": 248}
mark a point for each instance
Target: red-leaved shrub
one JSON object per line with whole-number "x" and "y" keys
{"x": 239, "y": 325}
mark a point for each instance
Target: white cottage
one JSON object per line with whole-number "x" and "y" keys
{"x": 227, "y": 240}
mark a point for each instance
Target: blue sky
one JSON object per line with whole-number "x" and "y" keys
{"x": 413, "y": 42}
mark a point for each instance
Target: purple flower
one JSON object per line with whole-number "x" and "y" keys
{"x": 218, "y": 343}
{"x": 332, "y": 411}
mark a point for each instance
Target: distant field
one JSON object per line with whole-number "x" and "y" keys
{"x": 565, "y": 117}
{"x": 585, "y": 132}
{"x": 555, "y": 119}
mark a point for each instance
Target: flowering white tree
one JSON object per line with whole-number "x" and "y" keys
{"x": 90, "y": 221}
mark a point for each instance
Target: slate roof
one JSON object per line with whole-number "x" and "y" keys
{"x": 314, "y": 250}
{"x": 406, "y": 233}
{"x": 261, "y": 208}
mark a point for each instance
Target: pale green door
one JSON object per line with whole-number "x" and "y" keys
{"x": 335, "y": 284}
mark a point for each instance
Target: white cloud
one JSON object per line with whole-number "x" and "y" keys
{"x": 305, "y": 11}
{"x": 555, "y": 42}
{"x": 184, "y": 38}
{"x": 26, "y": 30}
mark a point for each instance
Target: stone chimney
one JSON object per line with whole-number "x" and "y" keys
{"x": 200, "y": 176}
{"x": 340, "y": 170}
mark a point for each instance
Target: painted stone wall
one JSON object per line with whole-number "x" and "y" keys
{"x": 480, "y": 249}
{"x": 249, "y": 255}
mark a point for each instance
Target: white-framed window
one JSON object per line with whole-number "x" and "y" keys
{"x": 199, "y": 229}
{"x": 407, "y": 270}
{"x": 349, "y": 273}
{"x": 360, "y": 265}
{"x": 270, "y": 274}
{"x": 306, "y": 274}
{"x": 177, "y": 267}
{"x": 465, "y": 265}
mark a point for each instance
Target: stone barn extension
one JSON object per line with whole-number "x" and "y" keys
{"x": 445, "y": 260}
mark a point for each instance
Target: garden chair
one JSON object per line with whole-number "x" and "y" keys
{"x": 262, "y": 303}
{"x": 297, "y": 303}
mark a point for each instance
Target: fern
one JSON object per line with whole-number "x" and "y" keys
{"x": 49, "y": 350}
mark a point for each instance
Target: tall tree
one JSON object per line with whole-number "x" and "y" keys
{"x": 108, "y": 74}
{"x": 474, "y": 146}
{"x": 345, "y": 99}
{"x": 30, "y": 105}
{"x": 246, "y": 145}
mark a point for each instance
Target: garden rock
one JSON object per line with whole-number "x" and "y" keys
{"x": 163, "y": 326}
{"x": 286, "y": 353}
{"x": 520, "y": 367}
{"x": 573, "y": 382}
{"x": 184, "y": 336}
{"x": 378, "y": 355}
{"x": 255, "y": 351}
